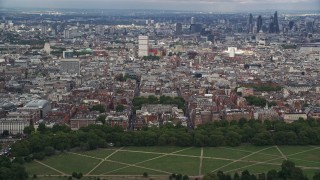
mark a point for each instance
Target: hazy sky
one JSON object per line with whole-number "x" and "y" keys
{"x": 197, "y": 5}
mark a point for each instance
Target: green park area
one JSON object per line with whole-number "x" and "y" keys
{"x": 160, "y": 162}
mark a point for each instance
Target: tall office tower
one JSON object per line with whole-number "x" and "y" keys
{"x": 66, "y": 33}
{"x": 195, "y": 28}
{"x": 309, "y": 26}
{"x": 70, "y": 66}
{"x": 291, "y": 24}
{"x": 43, "y": 29}
{"x": 143, "y": 46}
{"x": 271, "y": 25}
{"x": 259, "y": 23}
{"x": 100, "y": 29}
{"x": 276, "y": 23}
{"x": 193, "y": 20}
{"x": 178, "y": 28}
{"x": 250, "y": 23}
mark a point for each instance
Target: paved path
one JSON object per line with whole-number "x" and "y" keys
{"x": 50, "y": 167}
{"x": 241, "y": 158}
{"x": 165, "y": 154}
{"x": 284, "y": 156}
{"x": 103, "y": 160}
{"x": 201, "y": 157}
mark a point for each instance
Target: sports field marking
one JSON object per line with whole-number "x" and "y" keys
{"x": 241, "y": 158}
{"x": 284, "y": 156}
{"x": 200, "y": 165}
{"x": 166, "y": 154}
{"x": 43, "y": 164}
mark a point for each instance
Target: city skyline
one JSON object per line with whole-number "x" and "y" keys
{"x": 193, "y": 5}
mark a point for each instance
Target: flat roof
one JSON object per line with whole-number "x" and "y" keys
{"x": 37, "y": 103}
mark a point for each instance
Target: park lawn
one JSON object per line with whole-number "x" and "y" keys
{"x": 157, "y": 149}
{"x": 258, "y": 168}
{"x": 250, "y": 148}
{"x": 136, "y": 171}
{"x": 50, "y": 178}
{"x": 208, "y": 165}
{"x": 38, "y": 169}
{"x": 69, "y": 163}
{"x": 273, "y": 151}
{"x": 236, "y": 166}
{"x": 132, "y": 157}
{"x": 277, "y": 161}
{"x": 261, "y": 157}
{"x": 300, "y": 162}
{"x": 229, "y": 154}
{"x": 291, "y": 150}
{"x": 98, "y": 153}
{"x": 106, "y": 167}
{"x": 175, "y": 164}
{"x": 60, "y": 178}
{"x": 194, "y": 151}
{"x": 312, "y": 155}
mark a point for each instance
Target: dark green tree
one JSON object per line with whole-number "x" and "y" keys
{"x": 98, "y": 107}
{"x": 28, "y": 130}
{"x": 233, "y": 139}
{"x": 120, "y": 108}
{"x": 102, "y": 119}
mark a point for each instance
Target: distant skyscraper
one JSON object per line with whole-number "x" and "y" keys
{"x": 291, "y": 23}
{"x": 193, "y": 21}
{"x": 196, "y": 28}
{"x": 276, "y": 23}
{"x": 143, "y": 46}
{"x": 66, "y": 33}
{"x": 70, "y": 66}
{"x": 259, "y": 23}
{"x": 271, "y": 25}
{"x": 250, "y": 23}
{"x": 43, "y": 29}
{"x": 178, "y": 28}
{"x": 100, "y": 29}
{"x": 309, "y": 25}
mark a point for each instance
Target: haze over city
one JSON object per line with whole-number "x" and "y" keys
{"x": 190, "y": 5}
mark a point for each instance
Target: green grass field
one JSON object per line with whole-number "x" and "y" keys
{"x": 130, "y": 162}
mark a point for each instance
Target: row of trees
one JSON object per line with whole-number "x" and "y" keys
{"x": 12, "y": 170}
{"x": 288, "y": 171}
{"x": 222, "y": 133}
